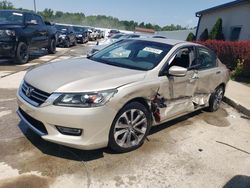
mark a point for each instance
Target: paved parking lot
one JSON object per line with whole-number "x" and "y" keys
{"x": 198, "y": 150}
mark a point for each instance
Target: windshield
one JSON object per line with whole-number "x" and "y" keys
{"x": 79, "y": 29}
{"x": 133, "y": 54}
{"x": 11, "y": 18}
{"x": 62, "y": 28}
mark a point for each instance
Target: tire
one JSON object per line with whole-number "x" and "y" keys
{"x": 22, "y": 53}
{"x": 52, "y": 46}
{"x": 216, "y": 99}
{"x": 67, "y": 43}
{"x": 129, "y": 136}
{"x": 75, "y": 43}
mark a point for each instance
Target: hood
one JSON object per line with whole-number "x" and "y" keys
{"x": 80, "y": 75}
{"x": 10, "y": 26}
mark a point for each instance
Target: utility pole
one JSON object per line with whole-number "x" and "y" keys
{"x": 35, "y": 5}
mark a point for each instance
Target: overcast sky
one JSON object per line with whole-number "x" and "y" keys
{"x": 162, "y": 12}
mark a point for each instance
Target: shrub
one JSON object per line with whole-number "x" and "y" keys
{"x": 230, "y": 53}
{"x": 190, "y": 37}
{"x": 216, "y": 33}
{"x": 204, "y": 35}
{"x": 238, "y": 71}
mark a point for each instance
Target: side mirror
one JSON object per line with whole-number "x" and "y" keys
{"x": 31, "y": 22}
{"x": 177, "y": 71}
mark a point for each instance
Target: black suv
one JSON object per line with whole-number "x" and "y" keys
{"x": 66, "y": 35}
{"x": 82, "y": 34}
{"x": 22, "y": 32}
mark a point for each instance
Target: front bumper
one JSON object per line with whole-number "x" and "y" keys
{"x": 61, "y": 41}
{"x": 95, "y": 122}
{"x": 7, "y": 49}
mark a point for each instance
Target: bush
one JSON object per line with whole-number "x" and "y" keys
{"x": 204, "y": 35}
{"x": 230, "y": 53}
{"x": 238, "y": 71}
{"x": 190, "y": 37}
{"x": 216, "y": 33}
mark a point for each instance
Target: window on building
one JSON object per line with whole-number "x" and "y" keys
{"x": 235, "y": 33}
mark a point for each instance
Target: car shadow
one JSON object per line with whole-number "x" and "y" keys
{"x": 57, "y": 150}
{"x": 238, "y": 181}
{"x": 168, "y": 124}
{"x": 65, "y": 152}
{"x": 6, "y": 61}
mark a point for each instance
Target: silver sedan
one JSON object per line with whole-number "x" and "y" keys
{"x": 114, "y": 97}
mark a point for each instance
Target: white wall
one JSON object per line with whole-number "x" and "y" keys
{"x": 234, "y": 16}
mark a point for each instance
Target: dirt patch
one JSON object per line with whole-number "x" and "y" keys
{"x": 25, "y": 181}
{"x": 49, "y": 159}
{"x": 217, "y": 118}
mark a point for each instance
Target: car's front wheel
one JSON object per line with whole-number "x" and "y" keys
{"x": 52, "y": 46}
{"x": 129, "y": 128}
{"x": 67, "y": 43}
{"x": 22, "y": 53}
{"x": 216, "y": 99}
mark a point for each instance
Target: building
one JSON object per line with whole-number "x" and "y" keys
{"x": 234, "y": 15}
{"x": 178, "y": 34}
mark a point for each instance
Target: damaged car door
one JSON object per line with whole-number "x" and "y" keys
{"x": 208, "y": 75}
{"x": 178, "y": 90}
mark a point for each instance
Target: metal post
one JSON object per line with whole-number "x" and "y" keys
{"x": 35, "y": 5}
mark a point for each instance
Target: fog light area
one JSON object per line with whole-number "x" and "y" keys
{"x": 69, "y": 131}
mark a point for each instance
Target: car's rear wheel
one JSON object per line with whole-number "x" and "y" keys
{"x": 129, "y": 128}
{"x": 216, "y": 99}
{"x": 22, "y": 53}
{"x": 52, "y": 46}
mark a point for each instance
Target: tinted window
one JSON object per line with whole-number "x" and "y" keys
{"x": 38, "y": 19}
{"x": 207, "y": 58}
{"x": 184, "y": 57}
{"x": 29, "y": 18}
{"x": 235, "y": 33}
{"x": 133, "y": 54}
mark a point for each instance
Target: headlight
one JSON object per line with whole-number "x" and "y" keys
{"x": 10, "y": 32}
{"x": 79, "y": 35}
{"x": 85, "y": 100}
{"x": 62, "y": 36}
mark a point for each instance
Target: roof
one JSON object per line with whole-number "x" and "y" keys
{"x": 223, "y": 6}
{"x": 162, "y": 40}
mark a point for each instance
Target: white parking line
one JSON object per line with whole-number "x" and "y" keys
{"x": 5, "y": 113}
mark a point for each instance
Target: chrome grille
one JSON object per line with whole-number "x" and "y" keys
{"x": 33, "y": 95}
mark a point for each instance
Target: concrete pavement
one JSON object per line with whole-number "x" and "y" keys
{"x": 238, "y": 96}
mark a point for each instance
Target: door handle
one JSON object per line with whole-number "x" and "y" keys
{"x": 218, "y": 72}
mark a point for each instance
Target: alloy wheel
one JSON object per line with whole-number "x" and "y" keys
{"x": 130, "y": 128}
{"x": 218, "y": 97}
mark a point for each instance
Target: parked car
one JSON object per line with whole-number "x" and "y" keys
{"x": 67, "y": 35}
{"x": 23, "y": 32}
{"x": 114, "y": 97}
{"x": 92, "y": 34}
{"x": 82, "y": 34}
{"x": 113, "y": 32}
{"x": 100, "y": 45}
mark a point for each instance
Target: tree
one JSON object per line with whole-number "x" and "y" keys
{"x": 6, "y": 5}
{"x": 190, "y": 37}
{"x": 217, "y": 33}
{"x": 47, "y": 14}
{"x": 204, "y": 35}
